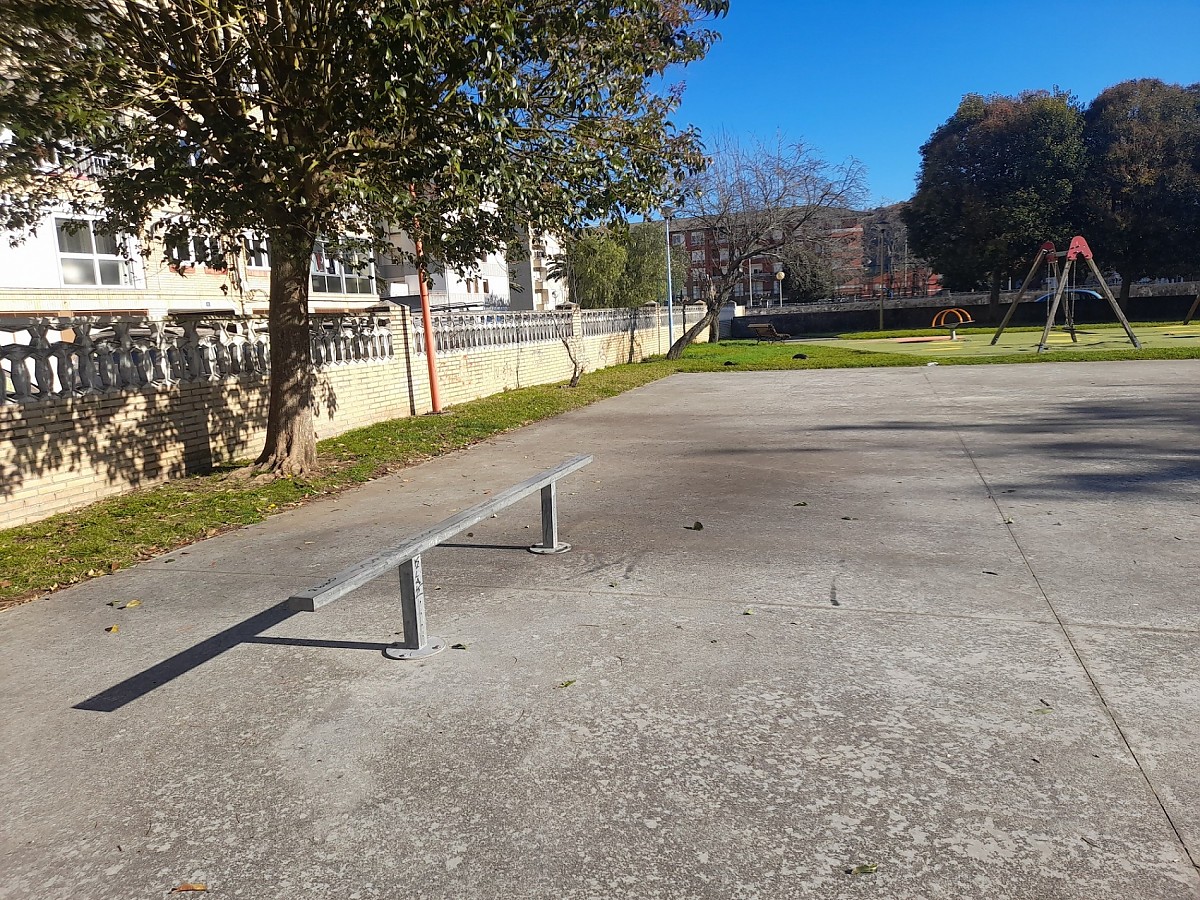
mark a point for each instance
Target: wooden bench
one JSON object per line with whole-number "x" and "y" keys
{"x": 407, "y": 558}
{"x": 766, "y": 332}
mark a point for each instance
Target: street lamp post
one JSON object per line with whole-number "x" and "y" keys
{"x": 667, "y": 211}
{"x": 779, "y": 276}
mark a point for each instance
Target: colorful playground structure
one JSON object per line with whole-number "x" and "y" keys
{"x": 942, "y": 319}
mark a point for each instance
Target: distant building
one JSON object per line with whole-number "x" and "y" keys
{"x": 534, "y": 285}
{"x": 483, "y": 285}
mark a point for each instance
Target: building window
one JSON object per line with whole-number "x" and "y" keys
{"x": 332, "y": 277}
{"x": 87, "y": 256}
{"x": 696, "y": 237}
{"x": 191, "y": 250}
{"x": 677, "y": 239}
{"x": 697, "y": 256}
{"x": 258, "y": 254}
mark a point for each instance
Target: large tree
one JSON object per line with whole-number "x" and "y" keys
{"x": 759, "y": 200}
{"x": 996, "y": 180}
{"x": 1140, "y": 199}
{"x": 300, "y": 119}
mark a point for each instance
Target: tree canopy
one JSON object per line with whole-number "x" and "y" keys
{"x": 997, "y": 179}
{"x": 296, "y": 119}
{"x": 1140, "y": 199}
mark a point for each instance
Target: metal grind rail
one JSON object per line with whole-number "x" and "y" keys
{"x": 407, "y": 558}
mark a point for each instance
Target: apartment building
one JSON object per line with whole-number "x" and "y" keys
{"x": 839, "y": 236}
{"x": 531, "y": 267}
{"x": 482, "y": 285}
{"x": 68, "y": 266}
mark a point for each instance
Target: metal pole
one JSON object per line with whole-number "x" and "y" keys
{"x": 435, "y": 401}
{"x": 550, "y": 542}
{"x": 416, "y": 642}
{"x": 670, "y": 299}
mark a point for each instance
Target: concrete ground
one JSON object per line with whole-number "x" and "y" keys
{"x": 939, "y": 621}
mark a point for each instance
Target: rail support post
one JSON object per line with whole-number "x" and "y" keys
{"x": 416, "y": 643}
{"x": 550, "y": 542}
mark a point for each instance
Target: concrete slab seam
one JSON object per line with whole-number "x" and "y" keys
{"x": 1008, "y": 525}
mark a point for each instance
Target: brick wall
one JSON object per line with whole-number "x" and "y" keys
{"x": 64, "y": 453}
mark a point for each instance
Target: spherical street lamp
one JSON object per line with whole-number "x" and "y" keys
{"x": 779, "y": 276}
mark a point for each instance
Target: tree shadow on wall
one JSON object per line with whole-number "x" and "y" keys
{"x": 134, "y": 437}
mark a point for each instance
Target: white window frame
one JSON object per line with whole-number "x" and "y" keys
{"x": 255, "y": 246}
{"x": 124, "y": 275}
{"x": 194, "y": 259}
{"x": 330, "y": 270}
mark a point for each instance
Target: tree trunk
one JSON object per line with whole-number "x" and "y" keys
{"x": 1123, "y": 297}
{"x": 291, "y": 446}
{"x": 711, "y": 315}
{"x": 994, "y": 298}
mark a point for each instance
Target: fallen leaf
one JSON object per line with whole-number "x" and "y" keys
{"x": 567, "y": 684}
{"x": 989, "y": 572}
{"x": 698, "y": 526}
{"x": 92, "y": 573}
{"x": 863, "y": 869}
{"x": 470, "y": 534}
{"x": 849, "y": 519}
{"x": 132, "y": 604}
{"x": 458, "y": 646}
{"x": 748, "y": 612}
{"x": 1007, "y": 520}
{"x": 195, "y": 886}
{"x": 113, "y": 629}
{"x": 801, "y": 503}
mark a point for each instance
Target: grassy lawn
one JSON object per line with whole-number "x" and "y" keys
{"x": 116, "y": 533}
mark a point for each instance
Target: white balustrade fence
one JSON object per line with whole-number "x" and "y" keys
{"x": 45, "y": 358}
{"x": 618, "y": 321}
{"x": 469, "y": 331}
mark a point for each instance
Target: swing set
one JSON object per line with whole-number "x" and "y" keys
{"x": 1078, "y": 249}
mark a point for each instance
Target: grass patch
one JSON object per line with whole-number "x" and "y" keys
{"x": 982, "y": 329}
{"x": 115, "y": 533}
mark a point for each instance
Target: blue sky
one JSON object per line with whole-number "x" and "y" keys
{"x": 873, "y": 79}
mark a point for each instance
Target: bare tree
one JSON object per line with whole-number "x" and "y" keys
{"x": 564, "y": 324}
{"x": 758, "y": 201}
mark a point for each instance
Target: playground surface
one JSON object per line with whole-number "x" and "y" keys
{"x": 1021, "y": 343}
{"x": 936, "y": 638}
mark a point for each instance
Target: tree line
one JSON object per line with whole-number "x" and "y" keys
{"x": 619, "y": 265}
{"x": 1003, "y": 174}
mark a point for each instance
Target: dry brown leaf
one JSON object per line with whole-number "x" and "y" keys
{"x": 189, "y": 886}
